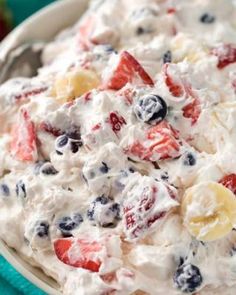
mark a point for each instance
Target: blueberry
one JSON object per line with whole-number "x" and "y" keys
{"x": 68, "y": 223}
{"x": 189, "y": 159}
{"x": 74, "y": 133}
{"x": 62, "y": 141}
{"x": 20, "y": 189}
{"x": 37, "y": 167}
{"x": 48, "y": 169}
{"x": 131, "y": 170}
{"x": 207, "y": 18}
{"x": 187, "y": 278}
{"x": 108, "y": 48}
{"x": 104, "y": 212}
{"x": 71, "y": 141}
{"x": 151, "y": 109}
{"x": 165, "y": 176}
{"x": 4, "y": 190}
{"x": 42, "y": 229}
{"x": 104, "y": 168}
{"x": 103, "y": 200}
{"x": 75, "y": 145}
{"x": 167, "y": 57}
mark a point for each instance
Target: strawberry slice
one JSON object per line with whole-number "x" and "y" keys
{"x": 128, "y": 70}
{"x": 192, "y": 111}
{"x": 226, "y": 54}
{"x": 33, "y": 92}
{"x": 78, "y": 253}
{"x": 162, "y": 142}
{"x": 176, "y": 88}
{"x": 48, "y": 128}
{"x": 229, "y": 181}
{"x": 142, "y": 208}
{"x": 116, "y": 121}
{"x": 85, "y": 31}
{"x": 23, "y": 142}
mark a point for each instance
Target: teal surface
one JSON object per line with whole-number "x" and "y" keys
{"x": 11, "y": 282}
{"x": 22, "y": 9}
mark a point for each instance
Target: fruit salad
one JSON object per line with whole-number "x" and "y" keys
{"x": 117, "y": 163}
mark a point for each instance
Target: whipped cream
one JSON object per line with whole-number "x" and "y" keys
{"x": 92, "y": 182}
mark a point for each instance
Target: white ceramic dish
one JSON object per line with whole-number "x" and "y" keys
{"x": 41, "y": 26}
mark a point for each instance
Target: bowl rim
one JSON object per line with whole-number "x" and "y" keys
{"x": 18, "y": 36}
{"x": 23, "y": 32}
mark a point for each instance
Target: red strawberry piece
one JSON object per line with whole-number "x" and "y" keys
{"x": 128, "y": 70}
{"x": 127, "y": 94}
{"x": 96, "y": 127}
{"x": 175, "y": 87}
{"x": 33, "y": 92}
{"x": 85, "y": 32}
{"x": 47, "y": 127}
{"x": 23, "y": 143}
{"x": 162, "y": 142}
{"x": 140, "y": 211}
{"x": 109, "y": 277}
{"x": 78, "y": 253}
{"x": 226, "y": 54}
{"x": 116, "y": 121}
{"x": 165, "y": 141}
{"x": 171, "y": 10}
{"x": 138, "y": 150}
{"x": 192, "y": 111}
{"x": 163, "y": 128}
{"x": 229, "y": 181}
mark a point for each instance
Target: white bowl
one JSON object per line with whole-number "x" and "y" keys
{"x": 41, "y": 26}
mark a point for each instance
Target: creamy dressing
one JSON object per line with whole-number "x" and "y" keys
{"x": 147, "y": 238}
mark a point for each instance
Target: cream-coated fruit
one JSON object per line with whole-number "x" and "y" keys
{"x": 209, "y": 211}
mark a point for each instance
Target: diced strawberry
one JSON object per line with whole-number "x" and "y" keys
{"x": 171, "y": 10}
{"x": 84, "y": 34}
{"x": 229, "y": 181}
{"x": 127, "y": 94}
{"x": 116, "y": 121}
{"x": 109, "y": 278}
{"x": 162, "y": 128}
{"x": 193, "y": 109}
{"x": 140, "y": 210}
{"x": 78, "y": 253}
{"x": 23, "y": 142}
{"x": 47, "y": 127}
{"x": 33, "y": 92}
{"x": 176, "y": 88}
{"x": 162, "y": 142}
{"x": 226, "y": 54}
{"x": 138, "y": 150}
{"x": 128, "y": 70}
{"x": 96, "y": 127}
{"x": 165, "y": 139}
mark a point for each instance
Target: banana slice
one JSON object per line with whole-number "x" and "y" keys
{"x": 209, "y": 211}
{"x": 223, "y": 115}
{"x": 74, "y": 84}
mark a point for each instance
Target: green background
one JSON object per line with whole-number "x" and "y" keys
{"x": 21, "y": 9}
{"x": 11, "y": 282}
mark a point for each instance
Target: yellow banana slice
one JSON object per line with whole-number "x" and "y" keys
{"x": 74, "y": 84}
{"x": 209, "y": 211}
